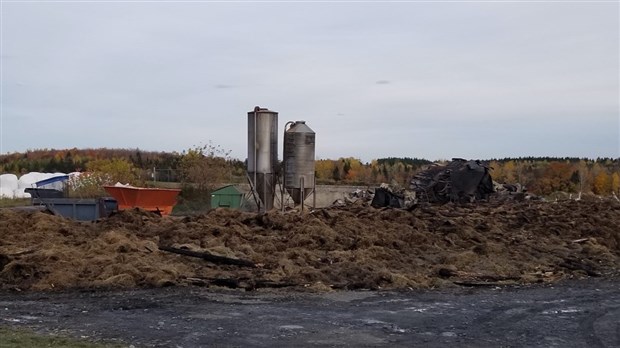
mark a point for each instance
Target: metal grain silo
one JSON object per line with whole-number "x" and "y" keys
{"x": 263, "y": 155}
{"x": 299, "y": 142}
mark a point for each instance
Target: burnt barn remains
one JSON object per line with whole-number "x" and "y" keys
{"x": 458, "y": 181}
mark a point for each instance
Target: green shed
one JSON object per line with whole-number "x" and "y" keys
{"x": 226, "y": 197}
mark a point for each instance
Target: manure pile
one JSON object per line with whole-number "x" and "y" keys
{"x": 353, "y": 247}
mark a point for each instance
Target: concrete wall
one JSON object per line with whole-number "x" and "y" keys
{"x": 325, "y": 194}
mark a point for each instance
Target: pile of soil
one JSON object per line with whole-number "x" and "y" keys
{"x": 338, "y": 248}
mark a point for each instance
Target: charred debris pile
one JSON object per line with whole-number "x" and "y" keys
{"x": 458, "y": 181}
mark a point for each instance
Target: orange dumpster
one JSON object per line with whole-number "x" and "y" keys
{"x": 151, "y": 199}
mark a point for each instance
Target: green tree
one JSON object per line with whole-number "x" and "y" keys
{"x": 336, "y": 174}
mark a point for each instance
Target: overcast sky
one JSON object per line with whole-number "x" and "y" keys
{"x": 373, "y": 79}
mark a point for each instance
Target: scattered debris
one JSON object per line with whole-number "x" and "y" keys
{"x": 386, "y": 198}
{"x": 357, "y": 197}
{"x": 222, "y": 260}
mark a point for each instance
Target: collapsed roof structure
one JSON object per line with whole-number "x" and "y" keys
{"x": 458, "y": 181}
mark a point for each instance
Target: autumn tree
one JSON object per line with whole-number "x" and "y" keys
{"x": 205, "y": 166}
{"x": 615, "y": 183}
{"x": 583, "y": 175}
{"x": 510, "y": 172}
{"x": 497, "y": 171}
{"x": 324, "y": 170}
{"x": 354, "y": 170}
{"x": 556, "y": 176}
{"x": 114, "y": 170}
{"x": 602, "y": 183}
{"x": 100, "y": 173}
{"x": 375, "y": 171}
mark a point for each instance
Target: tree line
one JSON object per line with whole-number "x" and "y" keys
{"x": 72, "y": 160}
{"x": 545, "y": 176}
{"x": 210, "y": 164}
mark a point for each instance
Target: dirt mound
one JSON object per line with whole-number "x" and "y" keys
{"x": 345, "y": 248}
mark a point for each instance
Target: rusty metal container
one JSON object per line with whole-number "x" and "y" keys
{"x": 151, "y": 199}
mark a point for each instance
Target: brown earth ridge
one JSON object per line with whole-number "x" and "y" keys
{"x": 354, "y": 247}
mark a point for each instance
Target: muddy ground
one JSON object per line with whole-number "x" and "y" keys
{"x": 573, "y": 313}
{"x": 354, "y": 247}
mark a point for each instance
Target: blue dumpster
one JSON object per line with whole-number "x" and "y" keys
{"x": 88, "y": 209}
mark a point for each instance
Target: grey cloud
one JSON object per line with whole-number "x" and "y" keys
{"x": 471, "y": 66}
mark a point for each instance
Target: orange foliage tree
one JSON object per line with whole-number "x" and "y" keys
{"x": 615, "y": 183}
{"x": 602, "y": 184}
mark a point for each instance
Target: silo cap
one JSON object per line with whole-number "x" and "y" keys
{"x": 300, "y": 127}
{"x": 259, "y": 109}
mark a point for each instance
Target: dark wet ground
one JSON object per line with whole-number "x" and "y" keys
{"x": 584, "y": 313}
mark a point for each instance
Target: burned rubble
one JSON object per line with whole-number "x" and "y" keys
{"x": 458, "y": 181}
